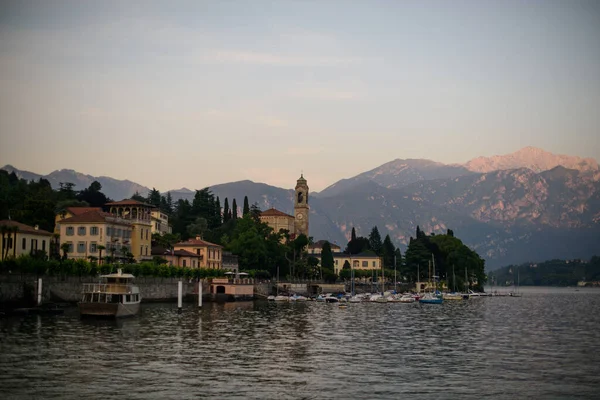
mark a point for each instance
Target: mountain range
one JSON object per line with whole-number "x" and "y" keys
{"x": 530, "y": 205}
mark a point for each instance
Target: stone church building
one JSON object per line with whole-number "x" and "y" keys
{"x": 296, "y": 224}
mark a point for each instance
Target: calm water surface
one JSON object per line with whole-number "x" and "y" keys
{"x": 543, "y": 345}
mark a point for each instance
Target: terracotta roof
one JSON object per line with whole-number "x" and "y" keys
{"x": 129, "y": 202}
{"x": 196, "y": 243}
{"x": 82, "y": 210}
{"x": 24, "y": 228}
{"x": 161, "y": 251}
{"x": 320, "y": 243}
{"x": 93, "y": 216}
{"x": 271, "y": 212}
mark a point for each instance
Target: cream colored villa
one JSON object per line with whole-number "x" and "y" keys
{"x": 365, "y": 261}
{"x": 19, "y": 239}
{"x": 160, "y": 222}
{"x": 84, "y": 233}
{"x": 211, "y": 255}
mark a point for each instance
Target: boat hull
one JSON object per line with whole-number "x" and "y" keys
{"x": 431, "y": 301}
{"x": 109, "y": 309}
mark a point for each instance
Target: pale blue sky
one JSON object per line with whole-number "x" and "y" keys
{"x": 174, "y": 93}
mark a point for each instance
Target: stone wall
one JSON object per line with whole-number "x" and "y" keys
{"x": 22, "y": 289}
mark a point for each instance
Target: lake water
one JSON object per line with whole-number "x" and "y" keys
{"x": 545, "y": 344}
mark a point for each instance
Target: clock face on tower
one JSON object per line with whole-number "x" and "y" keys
{"x": 300, "y": 216}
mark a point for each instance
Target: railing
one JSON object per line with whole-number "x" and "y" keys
{"x": 105, "y": 288}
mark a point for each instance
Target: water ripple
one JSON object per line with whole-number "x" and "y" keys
{"x": 544, "y": 345}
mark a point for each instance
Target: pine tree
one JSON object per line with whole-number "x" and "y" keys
{"x": 234, "y": 210}
{"x": 375, "y": 241}
{"x": 226, "y": 212}
{"x": 246, "y": 209}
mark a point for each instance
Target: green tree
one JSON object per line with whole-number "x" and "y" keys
{"x": 226, "y": 212}
{"x": 198, "y": 228}
{"x": 388, "y": 251}
{"x": 234, "y": 213}
{"x": 246, "y": 209}
{"x": 93, "y": 195}
{"x": 65, "y": 247}
{"x": 154, "y": 198}
{"x": 375, "y": 241}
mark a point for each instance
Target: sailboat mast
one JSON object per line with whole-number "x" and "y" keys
{"x": 382, "y": 281}
{"x": 453, "y": 279}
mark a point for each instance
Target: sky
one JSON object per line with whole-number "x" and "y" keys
{"x": 175, "y": 94}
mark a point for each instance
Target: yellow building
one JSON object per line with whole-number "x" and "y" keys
{"x": 139, "y": 215}
{"x": 19, "y": 239}
{"x": 160, "y": 222}
{"x": 85, "y": 232}
{"x": 179, "y": 258}
{"x": 317, "y": 247}
{"x": 211, "y": 254}
{"x": 71, "y": 212}
{"x": 365, "y": 261}
{"x": 278, "y": 220}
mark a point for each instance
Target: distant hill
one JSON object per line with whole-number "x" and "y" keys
{"x": 114, "y": 188}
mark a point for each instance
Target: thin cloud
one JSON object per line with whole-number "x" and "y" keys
{"x": 284, "y": 60}
{"x": 324, "y": 94}
{"x": 304, "y": 151}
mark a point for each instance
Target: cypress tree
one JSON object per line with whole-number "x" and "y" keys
{"x": 246, "y": 206}
{"x": 218, "y": 218}
{"x": 226, "y": 212}
{"x": 326, "y": 256}
{"x": 353, "y": 236}
{"x": 234, "y": 210}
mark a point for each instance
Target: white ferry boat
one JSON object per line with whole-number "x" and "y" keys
{"x": 114, "y": 297}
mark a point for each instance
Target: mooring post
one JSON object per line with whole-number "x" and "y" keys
{"x": 200, "y": 293}
{"x": 179, "y": 295}
{"x": 39, "y": 293}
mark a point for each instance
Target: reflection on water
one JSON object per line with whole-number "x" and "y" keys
{"x": 542, "y": 345}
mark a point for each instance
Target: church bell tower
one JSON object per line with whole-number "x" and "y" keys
{"x": 301, "y": 207}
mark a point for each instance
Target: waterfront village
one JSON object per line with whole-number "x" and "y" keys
{"x": 129, "y": 232}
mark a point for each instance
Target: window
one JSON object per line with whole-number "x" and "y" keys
{"x": 142, "y": 234}
{"x": 146, "y": 250}
{"x": 93, "y": 247}
{"x": 336, "y": 262}
{"x": 81, "y": 231}
{"x": 147, "y": 234}
{"x": 81, "y": 247}
{"x": 24, "y": 244}
{"x": 43, "y": 245}
{"x": 118, "y": 232}
{"x": 70, "y": 250}
{"x": 108, "y": 231}
{"x": 184, "y": 263}
{"x": 94, "y": 231}
{"x": 70, "y": 231}
{"x": 365, "y": 263}
{"x": 198, "y": 251}
{"x": 141, "y": 250}
{"x": 33, "y": 244}
{"x": 374, "y": 264}
{"x": 194, "y": 263}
